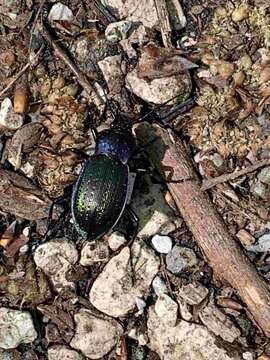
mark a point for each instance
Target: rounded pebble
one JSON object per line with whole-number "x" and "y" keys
{"x": 162, "y": 244}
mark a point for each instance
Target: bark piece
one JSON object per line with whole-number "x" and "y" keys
{"x": 225, "y": 256}
{"x": 20, "y": 197}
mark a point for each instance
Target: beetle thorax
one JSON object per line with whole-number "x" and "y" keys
{"x": 117, "y": 142}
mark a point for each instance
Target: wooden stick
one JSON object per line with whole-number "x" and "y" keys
{"x": 224, "y": 254}
{"x": 21, "y": 72}
{"x": 208, "y": 184}
{"x": 81, "y": 77}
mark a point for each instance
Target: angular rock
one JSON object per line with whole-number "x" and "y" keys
{"x": 262, "y": 245}
{"x": 115, "y": 290}
{"x": 154, "y": 213}
{"x": 260, "y": 189}
{"x": 135, "y": 10}
{"x": 166, "y": 310}
{"x": 162, "y": 244}
{"x": 184, "y": 341}
{"x": 16, "y": 327}
{"x": 158, "y": 91}
{"x": 193, "y": 294}
{"x": 216, "y": 321}
{"x": 60, "y": 352}
{"x": 93, "y": 252}
{"x": 60, "y": 12}
{"x": 264, "y": 175}
{"x": 113, "y": 73}
{"x": 180, "y": 258}
{"x": 56, "y": 258}
{"x": 95, "y": 336}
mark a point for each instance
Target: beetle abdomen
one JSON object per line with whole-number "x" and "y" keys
{"x": 99, "y": 196}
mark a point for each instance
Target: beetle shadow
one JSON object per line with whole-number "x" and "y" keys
{"x": 148, "y": 199}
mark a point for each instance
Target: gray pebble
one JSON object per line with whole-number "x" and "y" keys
{"x": 159, "y": 286}
{"x": 264, "y": 175}
{"x": 180, "y": 258}
{"x": 262, "y": 245}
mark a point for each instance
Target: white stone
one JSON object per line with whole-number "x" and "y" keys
{"x": 135, "y": 10}
{"x": 61, "y": 12}
{"x": 162, "y": 243}
{"x": 95, "y": 336}
{"x": 8, "y": 118}
{"x": 159, "y": 286}
{"x": 56, "y": 258}
{"x": 153, "y": 211}
{"x": 93, "y": 252}
{"x": 116, "y": 240}
{"x": 185, "y": 341}
{"x": 166, "y": 310}
{"x": 16, "y": 327}
{"x": 156, "y": 91}
{"x": 115, "y": 290}
{"x": 60, "y": 352}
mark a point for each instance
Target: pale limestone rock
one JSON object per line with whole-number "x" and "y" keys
{"x": 56, "y": 258}
{"x": 114, "y": 292}
{"x": 95, "y": 336}
{"x": 16, "y": 327}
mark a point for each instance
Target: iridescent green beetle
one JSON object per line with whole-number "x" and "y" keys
{"x": 102, "y": 190}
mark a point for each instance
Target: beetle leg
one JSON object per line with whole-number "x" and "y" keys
{"x": 135, "y": 220}
{"x": 55, "y": 202}
{"x": 94, "y": 132}
{"x": 165, "y": 117}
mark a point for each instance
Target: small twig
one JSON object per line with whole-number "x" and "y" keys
{"x": 81, "y": 77}
{"x": 20, "y": 73}
{"x": 34, "y": 25}
{"x": 208, "y": 184}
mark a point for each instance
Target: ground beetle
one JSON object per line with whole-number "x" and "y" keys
{"x": 104, "y": 186}
{"x": 101, "y": 192}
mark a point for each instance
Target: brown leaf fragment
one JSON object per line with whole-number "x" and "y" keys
{"x": 215, "y": 320}
{"x": 61, "y": 318}
{"x": 156, "y": 63}
{"x": 229, "y": 303}
{"x": 8, "y": 235}
{"x": 15, "y": 246}
{"x": 19, "y": 197}
{"x": 24, "y": 284}
{"x": 23, "y": 141}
